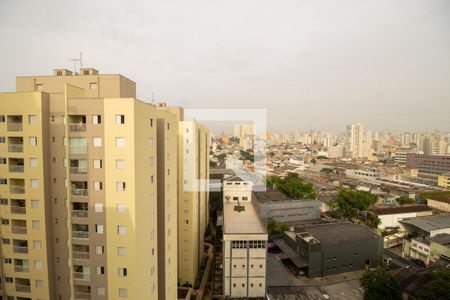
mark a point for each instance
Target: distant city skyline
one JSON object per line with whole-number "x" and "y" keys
{"x": 317, "y": 65}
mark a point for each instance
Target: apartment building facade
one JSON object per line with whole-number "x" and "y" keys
{"x": 194, "y": 144}
{"x": 79, "y": 189}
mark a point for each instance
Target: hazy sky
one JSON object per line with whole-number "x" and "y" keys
{"x": 312, "y": 64}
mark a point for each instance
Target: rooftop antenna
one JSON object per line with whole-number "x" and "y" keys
{"x": 75, "y": 60}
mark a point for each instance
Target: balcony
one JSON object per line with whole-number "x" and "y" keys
{"x": 23, "y": 285}
{"x": 79, "y": 188}
{"x": 78, "y": 166}
{"x": 79, "y": 210}
{"x": 77, "y": 145}
{"x": 15, "y": 144}
{"x": 80, "y": 231}
{"x": 77, "y": 123}
{"x": 81, "y": 272}
{"x": 19, "y": 226}
{"x": 20, "y": 246}
{"x": 82, "y": 292}
{"x": 16, "y": 165}
{"x": 80, "y": 251}
{"x": 18, "y": 206}
{"x": 15, "y": 123}
{"x": 77, "y": 127}
{"x": 21, "y": 265}
{"x": 17, "y": 186}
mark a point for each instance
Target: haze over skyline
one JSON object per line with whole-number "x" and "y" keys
{"x": 313, "y": 65}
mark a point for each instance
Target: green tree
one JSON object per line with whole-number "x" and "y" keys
{"x": 293, "y": 186}
{"x": 351, "y": 202}
{"x": 221, "y": 157}
{"x": 313, "y": 161}
{"x": 274, "y": 227}
{"x": 402, "y": 200}
{"x": 381, "y": 285}
{"x": 212, "y": 164}
{"x": 437, "y": 289}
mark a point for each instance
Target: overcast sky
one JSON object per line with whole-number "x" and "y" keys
{"x": 311, "y": 64}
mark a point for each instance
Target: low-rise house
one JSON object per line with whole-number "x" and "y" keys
{"x": 441, "y": 202}
{"x": 390, "y": 216}
{"x": 419, "y": 234}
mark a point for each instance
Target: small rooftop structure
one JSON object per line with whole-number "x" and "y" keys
{"x": 333, "y": 233}
{"x": 399, "y": 210}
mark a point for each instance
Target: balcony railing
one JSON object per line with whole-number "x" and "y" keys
{"x": 78, "y": 149}
{"x": 78, "y": 170}
{"x": 79, "y": 213}
{"x": 77, "y": 127}
{"x": 15, "y": 148}
{"x": 18, "y": 210}
{"x": 24, "y": 269}
{"x": 82, "y": 295}
{"x": 16, "y": 169}
{"x": 20, "y": 249}
{"x": 17, "y": 189}
{"x": 81, "y": 275}
{"x": 19, "y": 229}
{"x": 79, "y": 192}
{"x": 80, "y": 234}
{"x": 80, "y": 255}
{"x": 15, "y": 126}
{"x": 23, "y": 288}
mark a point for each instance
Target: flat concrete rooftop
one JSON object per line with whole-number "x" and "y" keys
{"x": 336, "y": 233}
{"x": 240, "y": 222}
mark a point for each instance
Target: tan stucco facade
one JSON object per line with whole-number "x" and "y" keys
{"x": 80, "y": 202}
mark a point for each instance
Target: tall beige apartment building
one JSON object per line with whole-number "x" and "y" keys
{"x": 89, "y": 190}
{"x": 193, "y": 198}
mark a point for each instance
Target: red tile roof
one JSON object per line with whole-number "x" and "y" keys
{"x": 399, "y": 210}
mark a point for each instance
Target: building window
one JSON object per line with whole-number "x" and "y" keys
{"x": 93, "y": 85}
{"x": 121, "y": 208}
{"x": 35, "y": 224}
{"x": 101, "y": 291}
{"x": 38, "y": 264}
{"x": 98, "y": 185}
{"x": 150, "y": 141}
{"x": 3, "y": 201}
{"x": 123, "y": 293}
{"x": 34, "y": 183}
{"x": 120, "y": 119}
{"x": 33, "y": 140}
{"x": 97, "y": 163}
{"x": 151, "y": 122}
{"x": 2, "y": 140}
{"x": 96, "y": 119}
{"x": 39, "y": 87}
{"x": 39, "y": 284}
{"x": 99, "y": 249}
{"x": 121, "y": 229}
{"x": 31, "y": 119}
{"x": 2, "y": 119}
{"x": 121, "y": 251}
{"x": 37, "y": 244}
{"x": 122, "y": 272}
{"x": 100, "y": 270}
{"x": 99, "y": 228}
{"x": 33, "y": 162}
{"x": 120, "y": 142}
{"x": 120, "y": 164}
{"x": 98, "y": 207}
{"x": 97, "y": 141}
{"x": 120, "y": 186}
